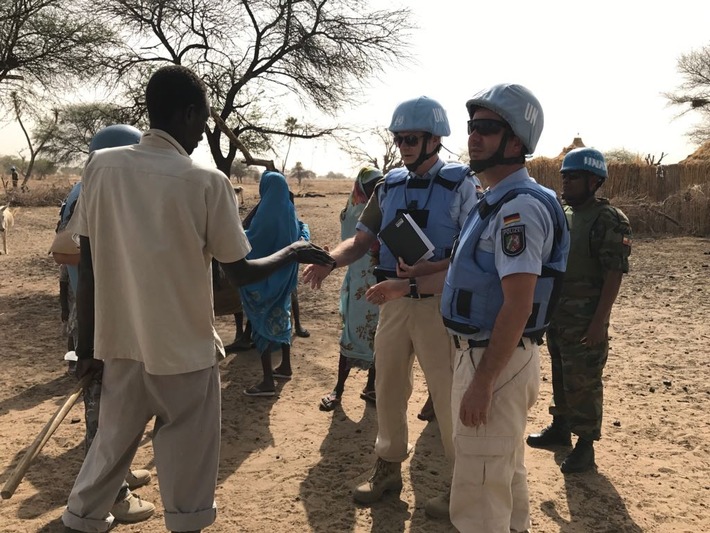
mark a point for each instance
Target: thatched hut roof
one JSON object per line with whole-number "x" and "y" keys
{"x": 701, "y": 155}
{"x": 576, "y": 143}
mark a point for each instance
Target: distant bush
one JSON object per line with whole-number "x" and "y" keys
{"x": 41, "y": 197}
{"x": 46, "y": 193}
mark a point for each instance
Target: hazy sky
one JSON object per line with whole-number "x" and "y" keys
{"x": 598, "y": 69}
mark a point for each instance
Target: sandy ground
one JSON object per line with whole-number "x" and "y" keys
{"x": 286, "y": 466}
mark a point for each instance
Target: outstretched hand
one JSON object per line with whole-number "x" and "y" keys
{"x": 309, "y": 253}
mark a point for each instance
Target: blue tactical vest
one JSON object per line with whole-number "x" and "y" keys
{"x": 473, "y": 294}
{"x": 428, "y": 201}
{"x": 66, "y": 211}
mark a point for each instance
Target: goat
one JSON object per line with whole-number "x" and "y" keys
{"x": 239, "y": 191}
{"x": 7, "y": 219}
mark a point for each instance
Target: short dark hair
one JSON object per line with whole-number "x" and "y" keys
{"x": 172, "y": 89}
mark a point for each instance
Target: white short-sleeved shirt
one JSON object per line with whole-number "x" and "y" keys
{"x": 155, "y": 219}
{"x": 527, "y": 220}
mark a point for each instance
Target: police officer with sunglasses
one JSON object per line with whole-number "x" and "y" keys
{"x": 497, "y": 299}
{"x": 438, "y": 196}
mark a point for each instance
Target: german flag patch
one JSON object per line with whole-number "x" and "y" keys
{"x": 626, "y": 240}
{"x": 511, "y": 219}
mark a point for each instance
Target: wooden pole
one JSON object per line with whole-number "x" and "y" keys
{"x": 47, "y": 431}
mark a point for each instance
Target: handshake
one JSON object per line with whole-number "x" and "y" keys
{"x": 308, "y": 253}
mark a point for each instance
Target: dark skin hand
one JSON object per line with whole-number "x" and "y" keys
{"x": 242, "y": 272}
{"x": 246, "y": 271}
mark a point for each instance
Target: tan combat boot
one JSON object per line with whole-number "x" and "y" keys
{"x": 385, "y": 476}
{"x": 132, "y": 509}
{"x": 137, "y": 478}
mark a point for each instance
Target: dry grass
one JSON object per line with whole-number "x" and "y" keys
{"x": 701, "y": 155}
{"x": 45, "y": 193}
{"x": 676, "y": 204}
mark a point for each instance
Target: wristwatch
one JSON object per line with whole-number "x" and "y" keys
{"x": 413, "y": 289}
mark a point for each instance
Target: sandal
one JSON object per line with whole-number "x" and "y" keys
{"x": 304, "y": 333}
{"x": 329, "y": 402}
{"x": 240, "y": 345}
{"x": 368, "y": 396}
{"x": 281, "y": 375}
{"x": 256, "y": 391}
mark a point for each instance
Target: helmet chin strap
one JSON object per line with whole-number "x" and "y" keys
{"x": 423, "y": 155}
{"x": 497, "y": 158}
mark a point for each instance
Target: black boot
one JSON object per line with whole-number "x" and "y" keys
{"x": 556, "y": 434}
{"x": 581, "y": 459}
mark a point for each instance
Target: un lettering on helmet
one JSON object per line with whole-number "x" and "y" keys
{"x": 585, "y": 158}
{"x": 591, "y": 162}
{"x": 531, "y": 113}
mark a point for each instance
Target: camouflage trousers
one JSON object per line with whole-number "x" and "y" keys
{"x": 577, "y": 388}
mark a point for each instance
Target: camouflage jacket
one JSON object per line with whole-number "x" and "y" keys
{"x": 600, "y": 241}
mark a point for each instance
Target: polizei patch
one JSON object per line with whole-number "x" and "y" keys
{"x": 513, "y": 240}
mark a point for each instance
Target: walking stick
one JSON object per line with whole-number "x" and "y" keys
{"x": 47, "y": 431}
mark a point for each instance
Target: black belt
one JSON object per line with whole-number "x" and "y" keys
{"x": 483, "y": 343}
{"x": 419, "y": 297}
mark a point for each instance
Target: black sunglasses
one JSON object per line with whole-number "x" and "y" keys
{"x": 573, "y": 175}
{"x": 409, "y": 140}
{"x": 486, "y": 126}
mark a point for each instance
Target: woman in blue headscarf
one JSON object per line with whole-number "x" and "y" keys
{"x": 268, "y": 302}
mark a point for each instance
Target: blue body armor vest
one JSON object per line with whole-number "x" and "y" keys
{"x": 428, "y": 201}
{"x": 473, "y": 294}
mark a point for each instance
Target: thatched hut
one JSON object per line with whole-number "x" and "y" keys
{"x": 701, "y": 155}
{"x": 576, "y": 143}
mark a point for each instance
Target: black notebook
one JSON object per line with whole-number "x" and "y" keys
{"x": 406, "y": 239}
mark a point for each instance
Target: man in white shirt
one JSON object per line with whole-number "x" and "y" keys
{"x": 150, "y": 221}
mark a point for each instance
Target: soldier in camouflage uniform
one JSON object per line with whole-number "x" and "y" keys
{"x": 577, "y": 337}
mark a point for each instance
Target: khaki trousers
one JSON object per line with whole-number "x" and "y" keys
{"x": 489, "y": 492}
{"x": 409, "y": 326}
{"x": 186, "y": 441}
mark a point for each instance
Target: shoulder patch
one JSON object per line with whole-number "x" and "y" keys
{"x": 511, "y": 219}
{"x": 513, "y": 240}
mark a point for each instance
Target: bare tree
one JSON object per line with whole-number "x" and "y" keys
{"x": 45, "y": 41}
{"x": 36, "y": 144}
{"x": 373, "y": 147}
{"x": 260, "y": 58}
{"x": 694, "y": 93}
{"x": 77, "y": 124}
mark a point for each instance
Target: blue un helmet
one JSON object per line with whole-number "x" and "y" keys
{"x": 420, "y": 114}
{"x": 587, "y": 159}
{"x": 113, "y": 136}
{"x": 520, "y": 109}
